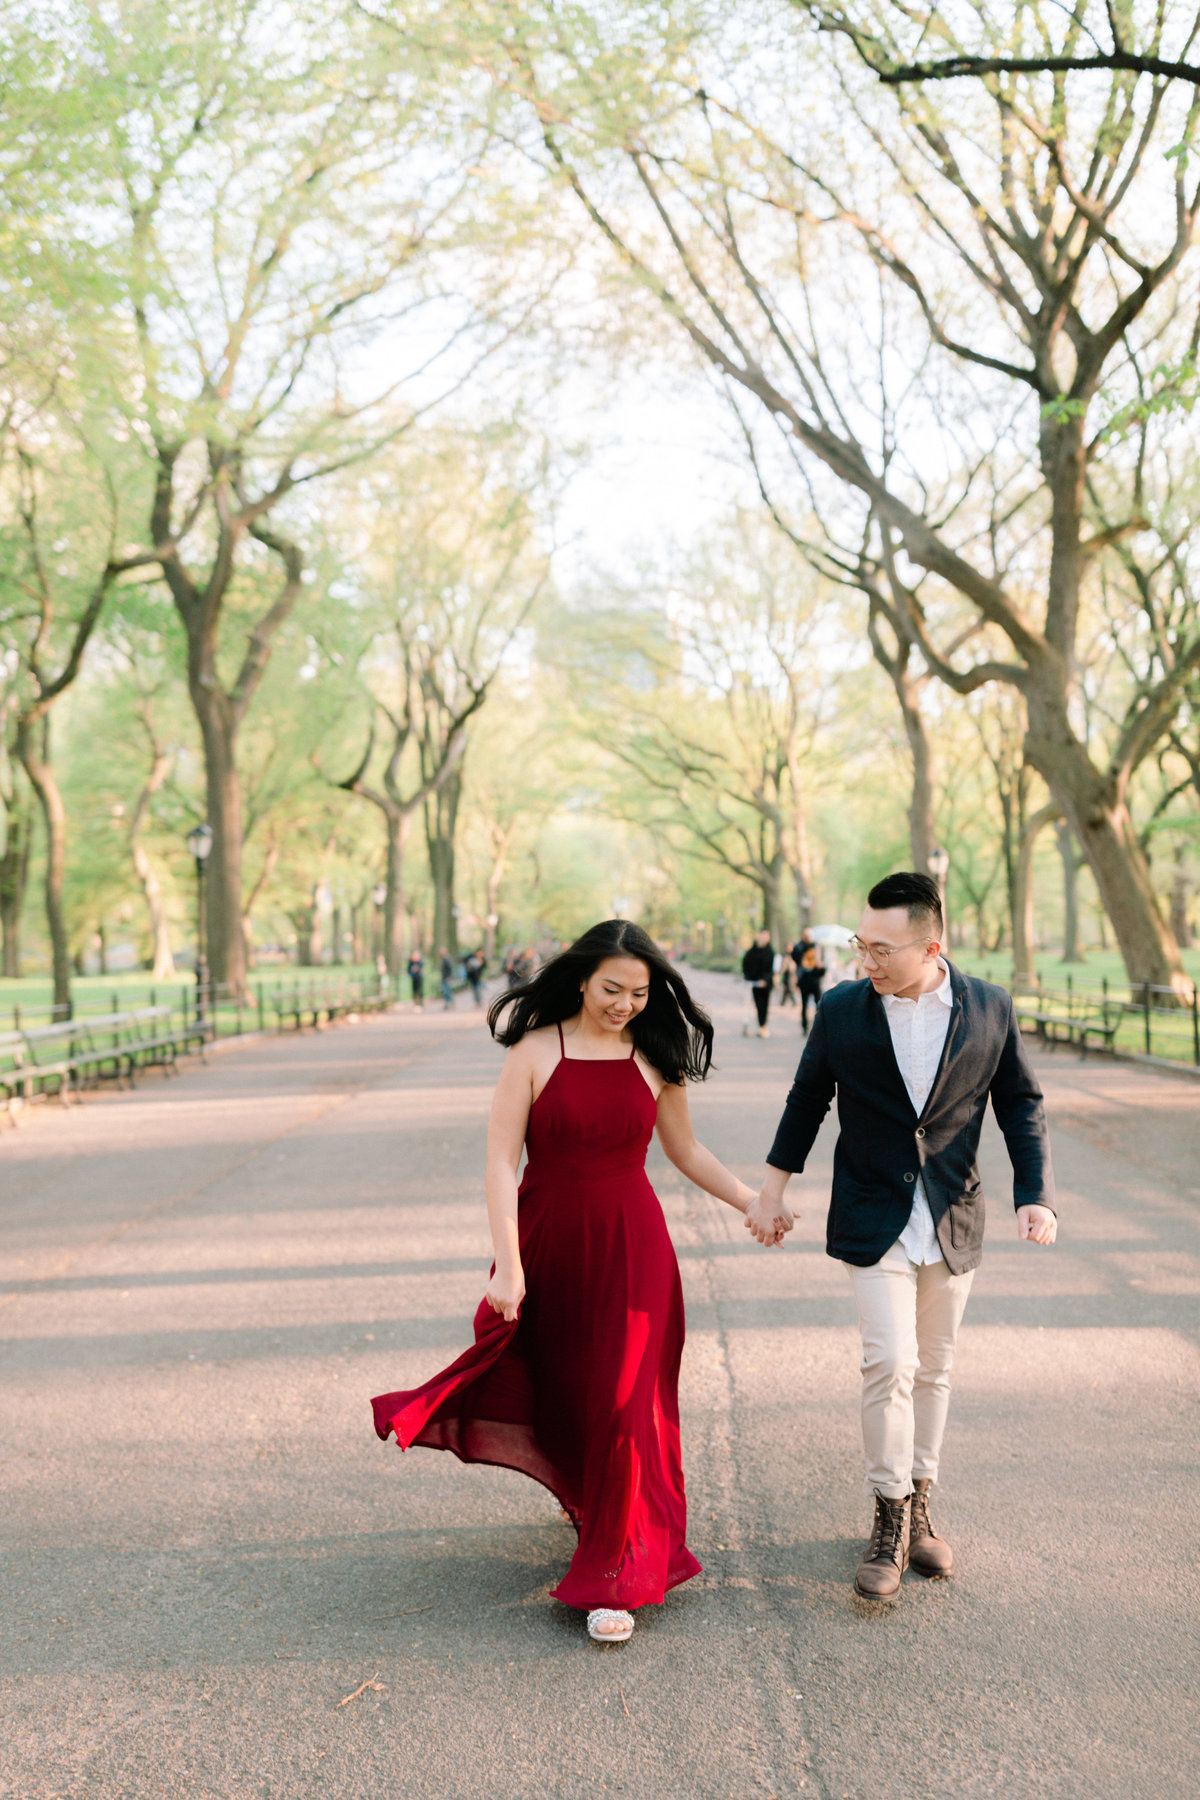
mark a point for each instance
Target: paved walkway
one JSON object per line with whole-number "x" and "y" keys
{"x": 206, "y": 1548}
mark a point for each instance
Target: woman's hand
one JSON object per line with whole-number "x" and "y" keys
{"x": 505, "y": 1292}
{"x": 768, "y": 1217}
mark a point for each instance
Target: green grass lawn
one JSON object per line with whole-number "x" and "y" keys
{"x": 1100, "y": 965}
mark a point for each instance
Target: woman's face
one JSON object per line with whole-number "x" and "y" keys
{"x": 615, "y": 992}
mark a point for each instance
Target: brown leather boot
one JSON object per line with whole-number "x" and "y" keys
{"x": 927, "y": 1552}
{"x": 878, "y": 1574}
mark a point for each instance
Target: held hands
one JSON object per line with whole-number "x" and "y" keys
{"x": 1036, "y": 1225}
{"x": 505, "y": 1292}
{"x": 767, "y": 1219}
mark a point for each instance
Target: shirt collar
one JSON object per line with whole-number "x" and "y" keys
{"x": 942, "y": 992}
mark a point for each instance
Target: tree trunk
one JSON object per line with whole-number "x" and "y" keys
{"x": 399, "y": 824}
{"x": 14, "y": 877}
{"x": 774, "y": 917}
{"x": 35, "y": 760}
{"x": 441, "y": 829}
{"x": 1024, "y": 973}
{"x": 163, "y": 963}
{"x": 1071, "y": 951}
{"x": 1100, "y": 821}
{"x": 501, "y": 839}
{"x": 270, "y": 859}
{"x": 1180, "y": 924}
{"x": 307, "y": 920}
{"x": 226, "y": 942}
{"x": 922, "y": 833}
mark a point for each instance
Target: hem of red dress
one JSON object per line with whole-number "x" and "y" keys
{"x": 623, "y": 1602}
{"x": 493, "y": 1462}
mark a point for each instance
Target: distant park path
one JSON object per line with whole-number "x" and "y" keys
{"x": 206, "y": 1549}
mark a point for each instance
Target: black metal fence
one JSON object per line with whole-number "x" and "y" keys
{"x": 1137, "y": 1018}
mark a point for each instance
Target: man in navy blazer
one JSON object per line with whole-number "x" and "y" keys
{"x": 913, "y": 1053}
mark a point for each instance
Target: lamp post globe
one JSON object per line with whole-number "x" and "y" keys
{"x": 199, "y": 843}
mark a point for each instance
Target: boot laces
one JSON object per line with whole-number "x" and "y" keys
{"x": 889, "y": 1525}
{"x": 919, "y": 1515}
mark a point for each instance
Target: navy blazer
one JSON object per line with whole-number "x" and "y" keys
{"x": 883, "y": 1145}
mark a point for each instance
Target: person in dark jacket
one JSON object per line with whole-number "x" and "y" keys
{"x": 416, "y": 974}
{"x": 811, "y": 972}
{"x": 913, "y": 1053}
{"x": 474, "y": 969}
{"x": 758, "y": 968}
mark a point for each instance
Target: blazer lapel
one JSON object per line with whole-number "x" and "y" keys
{"x": 956, "y": 1032}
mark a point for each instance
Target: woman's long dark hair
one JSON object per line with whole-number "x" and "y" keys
{"x": 673, "y": 1034}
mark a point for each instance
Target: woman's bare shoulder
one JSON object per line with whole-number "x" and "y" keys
{"x": 532, "y": 1050}
{"x": 654, "y": 1077}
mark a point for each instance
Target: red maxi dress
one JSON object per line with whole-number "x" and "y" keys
{"x": 581, "y": 1391}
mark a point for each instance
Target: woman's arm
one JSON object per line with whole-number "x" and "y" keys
{"x": 678, "y": 1140}
{"x": 505, "y": 1141}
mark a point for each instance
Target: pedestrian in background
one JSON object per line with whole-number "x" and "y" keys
{"x": 474, "y": 968}
{"x": 787, "y": 979}
{"x": 416, "y": 976}
{"x": 812, "y": 974}
{"x": 447, "y": 973}
{"x": 758, "y": 968}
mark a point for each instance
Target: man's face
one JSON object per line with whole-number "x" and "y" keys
{"x": 899, "y": 950}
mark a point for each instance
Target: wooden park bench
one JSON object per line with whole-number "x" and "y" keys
{"x": 322, "y": 1001}
{"x": 1063, "y": 1028}
{"x": 57, "y": 1058}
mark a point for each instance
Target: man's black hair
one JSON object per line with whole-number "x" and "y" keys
{"x": 917, "y": 894}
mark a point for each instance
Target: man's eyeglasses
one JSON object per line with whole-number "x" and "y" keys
{"x": 883, "y": 953}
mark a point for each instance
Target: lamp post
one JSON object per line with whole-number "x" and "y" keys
{"x": 939, "y": 868}
{"x": 199, "y": 843}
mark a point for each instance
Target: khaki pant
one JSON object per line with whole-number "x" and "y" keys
{"x": 908, "y": 1315}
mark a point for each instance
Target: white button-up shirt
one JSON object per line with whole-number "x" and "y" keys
{"x": 918, "y": 1029}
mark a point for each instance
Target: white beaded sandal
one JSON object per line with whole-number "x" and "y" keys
{"x": 601, "y": 1616}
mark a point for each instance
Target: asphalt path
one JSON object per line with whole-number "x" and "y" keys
{"x": 207, "y": 1552}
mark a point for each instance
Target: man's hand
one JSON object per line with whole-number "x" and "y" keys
{"x": 768, "y": 1216}
{"x": 1036, "y": 1225}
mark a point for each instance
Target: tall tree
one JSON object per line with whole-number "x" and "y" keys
{"x": 57, "y": 575}
{"x": 449, "y": 566}
{"x": 1035, "y": 249}
{"x": 726, "y": 729}
{"x": 271, "y": 224}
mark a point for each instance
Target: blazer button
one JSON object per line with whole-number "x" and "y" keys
{"x": 920, "y": 1131}
{"x": 910, "y": 1177}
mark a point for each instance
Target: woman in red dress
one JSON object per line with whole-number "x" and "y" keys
{"x": 573, "y": 1375}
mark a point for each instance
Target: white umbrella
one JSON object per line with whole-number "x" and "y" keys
{"x": 831, "y": 934}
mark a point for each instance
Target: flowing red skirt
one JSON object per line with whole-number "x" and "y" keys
{"x": 581, "y": 1392}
